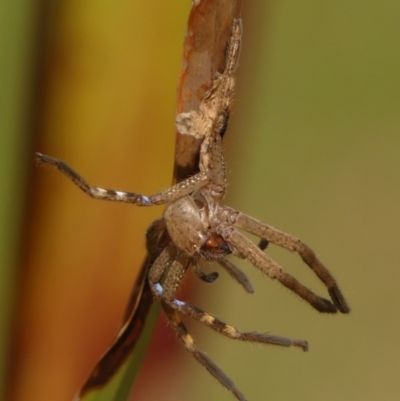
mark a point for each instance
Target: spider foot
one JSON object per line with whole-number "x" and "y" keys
{"x": 323, "y": 305}
{"x": 303, "y": 344}
{"x": 272, "y": 339}
{"x": 208, "y": 278}
{"x": 338, "y": 299}
{"x": 263, "y": 244}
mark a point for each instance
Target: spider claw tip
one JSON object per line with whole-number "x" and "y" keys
{"x": 338, "y": 299}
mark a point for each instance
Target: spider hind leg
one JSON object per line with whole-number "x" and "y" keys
{"x": 229, "y": 331}
{"x": 187, "y": 340}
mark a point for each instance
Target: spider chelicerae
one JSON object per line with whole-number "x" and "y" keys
{"x": 196, "y": 226}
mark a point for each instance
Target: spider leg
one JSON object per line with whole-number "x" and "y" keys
{"x": 170, "y": 194}
{"x": 154, "y": 236}
{"x": 189, "y": 344}
{"x": 173, "y": 277}
{"x": 229, "y": 331}
{"x": 165, "y": 293}
{"x": 247, "y": 249}
{"x": 208, "y": 278}
{"x": 292, "y": 244}
{"x": 172, "y": 280}
{"x": 237, "y": 274}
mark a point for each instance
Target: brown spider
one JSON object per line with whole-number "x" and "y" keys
{"x": 196, "y": 226}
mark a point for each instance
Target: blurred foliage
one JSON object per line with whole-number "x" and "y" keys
{"x": 119, "y": 386}
{"x": 17, "y": 22}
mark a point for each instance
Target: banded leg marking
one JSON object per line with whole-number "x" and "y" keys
{"x": 171, "y": 194}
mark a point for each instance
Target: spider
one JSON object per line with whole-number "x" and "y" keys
{"x": 196, "y": 226}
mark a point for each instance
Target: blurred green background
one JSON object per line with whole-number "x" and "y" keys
{"x": 313, "y": 148}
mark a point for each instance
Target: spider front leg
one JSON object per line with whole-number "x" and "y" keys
{"x": 236, "y": 273}
{"x": 171, "y": 194}
{"x": 292, "y": 244}
{"x": 248, "y": 250}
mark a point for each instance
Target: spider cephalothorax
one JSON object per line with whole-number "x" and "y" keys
{"x": 189, "y": 222}
{"x": 196, "y": 226}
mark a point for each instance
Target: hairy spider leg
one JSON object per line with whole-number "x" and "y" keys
{"x": 293, "y": 244}
{"x": 170, "y": 194}
{"x": 187, "y": 340}
{"x": 175, "y": 276}
{"x": 248, "y": 250}
{"x": 173, "y": 307}
{"x": 236, "y": 274}
{"x": 229, "y": 331}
